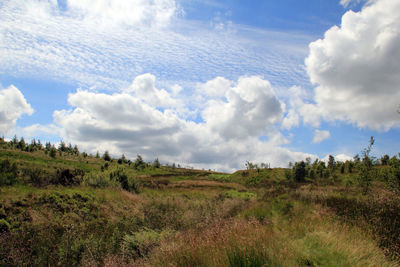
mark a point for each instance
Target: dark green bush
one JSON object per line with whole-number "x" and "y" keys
{"x": 8, "y": 172}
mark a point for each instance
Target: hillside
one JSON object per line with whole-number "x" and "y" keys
{"x": 59, "y": 206}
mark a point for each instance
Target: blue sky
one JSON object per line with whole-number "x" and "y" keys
{"x": 208, "y": 84}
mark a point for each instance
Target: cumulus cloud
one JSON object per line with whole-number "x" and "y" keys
{"x": 129, "y": 122}
{"x": 300, "y": 108}
{"x": 250, "y": 107}
{"x": 321, "y": 136}
{"x": 338, "y": 157}
{"x": 356, "y": 67}
{"x": 12, "y": 106}
{"x": 143, "y": 86}
{"x": 215, "y": 88}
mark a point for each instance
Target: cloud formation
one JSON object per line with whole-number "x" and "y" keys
{"x": 321, "y": 136}
{"x": 356, "y": 67}
{"x": 12, "y": 106}
{"x": 250, "y": 107}
{"x": 104, "y": 43}
{"x": 121, "y": 12}
{"x": 129, "y": 122}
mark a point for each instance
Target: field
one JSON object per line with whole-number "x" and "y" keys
{"x": 74, "y": 209}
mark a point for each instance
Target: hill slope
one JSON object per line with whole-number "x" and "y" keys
{"x": 72, "y": 209}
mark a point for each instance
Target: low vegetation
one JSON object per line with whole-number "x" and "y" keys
{"x": 60, "y": 206}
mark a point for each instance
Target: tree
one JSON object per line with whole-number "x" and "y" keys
{"x": 53, "y": 152}
{"x": 299, "y": 171}
{"x": 62, "y": 147}
{"x": 156, "y": 163}
{"x": 21, "y": 144}
{"x": 106, "y": 156}
{"x": 385, "y": 160}
{"x": 331, "y": 162}
{"x": 139, "y": 163}
{"x": 366, "y": 167}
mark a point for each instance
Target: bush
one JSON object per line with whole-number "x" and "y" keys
{"x": 37, "y": 176}
{"x": 140, "y": 243}
{"x": 8, "y": 172}
{"x": 130, "y": 184}
{"x": 67, "y": 177}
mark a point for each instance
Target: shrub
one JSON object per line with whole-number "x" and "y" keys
{"x": 140, "y": 243}
{"x": 67, "y": 177}
{"x": 8, "y": 172}
{"x": 37, "y": 177}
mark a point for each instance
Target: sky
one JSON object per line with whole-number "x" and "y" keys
{"x": 202, "y": 83}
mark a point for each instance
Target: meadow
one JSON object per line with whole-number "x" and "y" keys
{"x": 62, "y": 207}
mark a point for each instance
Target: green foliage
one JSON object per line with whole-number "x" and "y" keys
{"x": 365, "y": 175}
{"x": 106, "y": 156}
{"x": 299, "y": 171}
{"x": 139, "y": 244}
{"x": 8, "y": 172}
{"x": 156, "y": 163}
{"x": 139, "y": 163}
{"x": 220, "y": 177}
{"x": 68, "y": 177}
{"x": 53, "y": 152}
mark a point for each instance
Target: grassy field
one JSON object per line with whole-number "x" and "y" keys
{"x": 74, "y": 210}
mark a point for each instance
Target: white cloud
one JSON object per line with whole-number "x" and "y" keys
{"x": 12, "y": 106}
{"x": 117, "y": 12}
{"x": 215, "y": 88}
{"x": 124, "y": 123}
{"x": 143, "y": 86}
{"x": 338, "y": 157}
{"x": 347, "y": 3}
{"x": 321, "y": 136}
{"x": 48, "y": 132}
{"x": 356, "y": 68}
{"x": 300, "y": 108}
{"x": 250, "y": 108}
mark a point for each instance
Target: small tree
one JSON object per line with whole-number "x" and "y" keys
{"x": 139, "y": 163}
{"x": 53, "y": 152}
{"x": 106, "y": 156}
{"x": 331, "y": 162}
{"x": 366, "y": 168}
{"x": 299, "y": 171}
{"x": 156, "y": 163}
{"x": 385, "y": 160}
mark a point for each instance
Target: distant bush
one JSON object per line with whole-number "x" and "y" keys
{"x": 38, "y": 177}
{"x": 130, "y": 184}
{"x": 68, "y": 177}
{"x": 8, "y": 172}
